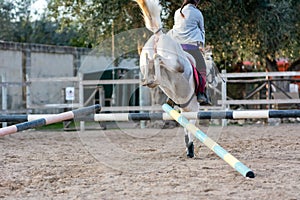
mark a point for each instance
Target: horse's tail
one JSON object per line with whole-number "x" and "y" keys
{"x": 151, "y": 11}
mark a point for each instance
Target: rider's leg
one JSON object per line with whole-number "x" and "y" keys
{"x": 200, "y": 62}
{"x": 202, "y": 97}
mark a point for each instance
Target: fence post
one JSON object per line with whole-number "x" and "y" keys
{"x": 224, "y": 95}
{"x": 141, "y": 101}
{"x": 81, "y": 97}
{"x": 28, "y": 98}
{"x": 4, "y": 96}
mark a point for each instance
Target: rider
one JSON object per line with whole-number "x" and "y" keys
{"x": 189, "y": 31}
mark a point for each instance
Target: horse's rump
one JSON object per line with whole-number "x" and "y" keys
{"x": 177, "y": 80}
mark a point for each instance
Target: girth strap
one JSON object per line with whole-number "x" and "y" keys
{"x": 171, "y": 103}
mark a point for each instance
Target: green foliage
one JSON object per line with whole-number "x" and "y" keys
{"x": 97, "y": 19}
{"x": 5, "y": 19}
{"x": 16, "y": 24}
{"x": 241, "y": 29}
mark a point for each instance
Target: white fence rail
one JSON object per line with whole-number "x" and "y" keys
{"x": 268, "y": 76}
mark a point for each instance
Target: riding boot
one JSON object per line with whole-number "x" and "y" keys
{"x": 204, "y": 98}
{"x": 201, "y": 98}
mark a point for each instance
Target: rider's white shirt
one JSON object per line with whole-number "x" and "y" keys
{"x": 188, "y": 29}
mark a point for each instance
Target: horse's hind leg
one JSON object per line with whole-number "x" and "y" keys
{"x": 192, "y": 107}
{"x": 189, "y": 142}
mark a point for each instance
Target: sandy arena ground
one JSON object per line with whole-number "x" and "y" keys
{"x": 149, "y": 164}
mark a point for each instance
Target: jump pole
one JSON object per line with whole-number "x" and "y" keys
{"x": 212, "y": 145}
{"x": 49, "y": 120}
{"x": 228, "y": 114}
{"x": 235, "y": 114}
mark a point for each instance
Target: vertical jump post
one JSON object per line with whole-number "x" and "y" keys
{"x": 212, "y": 145}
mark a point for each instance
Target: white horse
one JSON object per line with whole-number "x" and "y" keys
{"x": 164, "y": 63}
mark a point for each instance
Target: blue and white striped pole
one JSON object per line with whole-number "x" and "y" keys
{"x": 48, "y": 120}
{"x": 215, "y": 147}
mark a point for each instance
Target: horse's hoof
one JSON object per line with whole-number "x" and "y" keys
{"x": 190, "y": 150}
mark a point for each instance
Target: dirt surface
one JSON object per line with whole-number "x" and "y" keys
{"x": 149, "y": 164}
